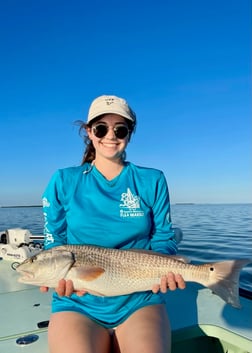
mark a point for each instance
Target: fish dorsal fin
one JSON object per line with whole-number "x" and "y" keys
{"x": 88, "y": 273}
{"x": 180, "y": 258}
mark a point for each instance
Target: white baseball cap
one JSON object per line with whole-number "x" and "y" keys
{"x": 110, "y": 104}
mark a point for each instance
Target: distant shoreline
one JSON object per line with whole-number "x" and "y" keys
{"x": 184, "y": 203}
{"x": 173, "y": 204}
{"x": 20, "y": 206}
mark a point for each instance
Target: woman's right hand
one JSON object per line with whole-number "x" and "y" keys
{"x": 64, "y": 288}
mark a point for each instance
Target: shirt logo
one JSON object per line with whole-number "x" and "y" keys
{"x": 130, "y": 206}
{"x": 130, "y": 200}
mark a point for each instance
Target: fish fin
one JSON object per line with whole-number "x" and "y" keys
{"x": 88, "y": 273}
{"x": 180, "y": 258}
{"x": 226, "y": 275}
{"x": 98, "y": 294}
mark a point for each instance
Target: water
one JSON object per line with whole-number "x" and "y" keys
{"x": 211, "y": 232}
{"x": 215, "y": 233}
{"x": 22, "y": 217}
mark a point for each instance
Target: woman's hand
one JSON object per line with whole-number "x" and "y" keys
{"x": 65, "y": 288}
{"x": 169, "y": 282}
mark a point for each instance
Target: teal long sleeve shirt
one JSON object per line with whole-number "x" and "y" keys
{"x": 130, "y": 211}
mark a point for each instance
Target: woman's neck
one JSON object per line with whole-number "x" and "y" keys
{"x": 109, "y": 168}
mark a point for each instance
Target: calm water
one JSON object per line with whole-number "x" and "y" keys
{"x": 211, "y": 232}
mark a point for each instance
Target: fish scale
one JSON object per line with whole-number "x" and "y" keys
{"x": 154, "y": 265}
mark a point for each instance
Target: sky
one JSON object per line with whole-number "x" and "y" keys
{"x": 183, "y": 66}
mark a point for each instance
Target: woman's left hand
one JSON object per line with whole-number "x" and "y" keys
{"x": 169, "y": 282}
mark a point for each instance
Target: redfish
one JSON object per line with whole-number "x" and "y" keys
{"x": 111, "y": 272}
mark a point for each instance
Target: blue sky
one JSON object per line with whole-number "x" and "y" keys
{"x": 184, "y": 67}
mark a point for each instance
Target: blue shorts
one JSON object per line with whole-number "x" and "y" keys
{"x": 109, "y": 312}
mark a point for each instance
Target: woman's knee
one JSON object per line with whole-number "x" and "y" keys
{"x": 146, "y": 330}
{"x": 71, "y": 331}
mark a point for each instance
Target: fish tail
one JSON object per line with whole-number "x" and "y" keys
{"x": 226, "y": 275}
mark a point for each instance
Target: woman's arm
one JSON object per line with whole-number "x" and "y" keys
{"x": 55, "y": 225}
{"x": 163, "y": 238}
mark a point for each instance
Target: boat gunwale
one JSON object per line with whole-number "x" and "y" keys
{"x": 211, "y": 331}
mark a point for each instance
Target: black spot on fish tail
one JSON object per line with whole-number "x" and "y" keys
{"x": 227, "y": 275}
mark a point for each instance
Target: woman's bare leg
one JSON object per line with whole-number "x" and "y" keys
{"x": 73, "y": 332}
{"x": 147, "y": 330}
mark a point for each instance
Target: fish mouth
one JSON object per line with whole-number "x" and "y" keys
{"x": 26, "y": 275}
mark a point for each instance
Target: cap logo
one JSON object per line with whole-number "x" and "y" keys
{"x": 109, "y": 101}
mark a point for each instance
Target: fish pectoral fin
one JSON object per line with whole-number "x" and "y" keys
{"x": 89, "y": 273}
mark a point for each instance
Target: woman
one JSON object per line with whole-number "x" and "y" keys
{"x": 113, "y": 203}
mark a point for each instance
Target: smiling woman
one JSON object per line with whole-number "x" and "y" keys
{"x": 107, "y": 202}
{"x": 123, "y": 118}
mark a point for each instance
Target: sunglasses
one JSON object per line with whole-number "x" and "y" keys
{"x": 101, "y": 130}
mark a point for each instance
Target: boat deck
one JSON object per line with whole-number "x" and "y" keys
{"x": 25, "y": 311}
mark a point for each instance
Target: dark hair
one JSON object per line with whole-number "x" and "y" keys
{"x": 89, "y": 153}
